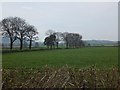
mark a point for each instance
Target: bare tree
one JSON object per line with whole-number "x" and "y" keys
{"x": 17, "y": 28}
{"x": 58, "y": 38}
{"x": 31, "y": 33}
{"x": 65, "y": 38}
{"x": 76, "y": 40}
{"x": 20, "y": 30}
{"x": 72, "y": 40}
{"x": 8, "y": 29}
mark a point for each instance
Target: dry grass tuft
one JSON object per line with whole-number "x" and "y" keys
{"x": 64, "y": 77}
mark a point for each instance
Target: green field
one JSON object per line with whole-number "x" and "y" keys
{"x": 102, "y": 57}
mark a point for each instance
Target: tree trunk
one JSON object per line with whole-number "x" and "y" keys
{"x": 30, "y": 44}
{"x": 67, "y": 45}
{"x": 50, "y": 46}
{"x": 47, "y": 46}
{"x": 57, "y": 44}
{"x": 21, "y": 44}
{"x": 11, "y": 44}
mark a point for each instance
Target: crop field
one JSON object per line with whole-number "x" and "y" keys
{"x": 90, "y": 67}
{"x": 102, "y": 57}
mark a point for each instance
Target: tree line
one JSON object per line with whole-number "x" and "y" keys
{"x": 72, "y": 40}
{"x": 17, "y": 28}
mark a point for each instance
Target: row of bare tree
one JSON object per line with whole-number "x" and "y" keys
{"x": 72, "y": 40}
{"x": 17, "y": 28}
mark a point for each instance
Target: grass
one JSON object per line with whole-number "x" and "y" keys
{"x": 91, "y": 67}
{"x": 102, "y": 57}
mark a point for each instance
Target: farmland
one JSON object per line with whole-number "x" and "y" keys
{"x": 90, "y": 67}
{"x": 102, "y": 57}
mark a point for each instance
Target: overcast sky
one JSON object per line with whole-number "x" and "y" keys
{"x": 93, "y": 20}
